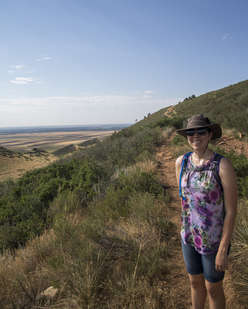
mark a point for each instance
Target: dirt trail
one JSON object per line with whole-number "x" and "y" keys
{"x": 178, "y": 282}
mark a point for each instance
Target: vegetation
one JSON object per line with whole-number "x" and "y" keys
{"x": 104, "y": 237}
{"x": 227, "y": 106}
{"x": 24, "y": 205}
{"x": 240, "y": 253}
{"x": 89, "y": 142}
{"x": 65, "y": 150}
{"x": 112, "y": 254}
{"x": 8, "y": 153}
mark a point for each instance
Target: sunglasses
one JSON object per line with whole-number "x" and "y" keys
{"x": 202, "y": 131}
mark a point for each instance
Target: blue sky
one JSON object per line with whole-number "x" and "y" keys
{"x": 67, "y": 62}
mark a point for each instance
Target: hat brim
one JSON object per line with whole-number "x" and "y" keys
{"x": 215, "y": 128}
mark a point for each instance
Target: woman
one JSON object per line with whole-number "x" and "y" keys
{"x": 208, "y": 189}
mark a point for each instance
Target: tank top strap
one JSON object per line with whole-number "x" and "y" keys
{"x": 216, "y": 167}
{"x": 184, "y": 166}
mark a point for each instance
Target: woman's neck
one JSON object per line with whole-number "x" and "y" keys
{"x": 200, "y": 157}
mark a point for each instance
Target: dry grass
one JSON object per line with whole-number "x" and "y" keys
{"x": 23, "y": 278}
{"x": 167, "y": 132}
{"x": 143, "y": 166}
{"x": 240, "y": 253}
{"x": 16, "y": 166}
{"x": 123, "y": 266}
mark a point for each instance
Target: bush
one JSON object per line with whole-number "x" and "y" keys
{"x": 24, "y": 207}
{"x": 86, "y": 174}
{"x": 176, "y": 122}
{"x": 178, "y": 140}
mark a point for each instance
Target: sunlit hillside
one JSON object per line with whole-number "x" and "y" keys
{"x": 99, "y": 229}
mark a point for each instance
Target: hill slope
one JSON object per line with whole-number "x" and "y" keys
{"x": 108, "y": 226}
{"x": 15, "y": 164}
{"x": 228, "y": 106}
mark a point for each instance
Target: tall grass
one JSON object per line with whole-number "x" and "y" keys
{"x": 240, "y": 253}
{"x": 111, "y": 255}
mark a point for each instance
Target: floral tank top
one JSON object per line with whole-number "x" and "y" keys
{"x": 202, "y": 205}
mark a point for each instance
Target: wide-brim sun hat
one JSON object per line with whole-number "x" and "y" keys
{"x": 199, "y": 121}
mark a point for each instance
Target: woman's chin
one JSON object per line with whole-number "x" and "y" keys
{"x": 197, "y": 147}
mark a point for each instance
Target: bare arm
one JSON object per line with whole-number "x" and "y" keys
{"x": 228, "y": 179}
{"x": 178, "y": 167}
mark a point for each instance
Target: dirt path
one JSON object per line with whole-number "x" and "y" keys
{"x": 179, "y": 288}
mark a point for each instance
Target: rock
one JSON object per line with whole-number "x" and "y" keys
{"x": 50, "y": 292}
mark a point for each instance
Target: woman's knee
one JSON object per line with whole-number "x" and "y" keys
{"x": 214, "y": 289}
{"x": 197, "y": 281}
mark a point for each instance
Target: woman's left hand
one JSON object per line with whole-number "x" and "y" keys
{"x": 221, "y": 261}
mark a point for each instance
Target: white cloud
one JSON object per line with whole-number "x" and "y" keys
{"x": 87, "y": 109}
{"x": 148, "y": 92}
{"x": 22, "y": 80}
{"x": 17, "y": 66}
{"x": 226, "y": 36}
{"x": 114, "y": 101}
{"x": 44, "y": 59}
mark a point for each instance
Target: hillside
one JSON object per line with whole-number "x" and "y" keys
{"x": 228, "y": 106}
{"x": 15, "y": 164}
{"x": 99, "y": 229}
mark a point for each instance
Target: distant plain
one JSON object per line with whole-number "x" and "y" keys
{"x": 31, "y": 150}
{"x": 48, "y": 141}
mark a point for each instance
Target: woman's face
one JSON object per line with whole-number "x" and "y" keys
{"x": 199, "y": 139}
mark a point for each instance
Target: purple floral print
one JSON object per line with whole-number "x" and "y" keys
{"x": 203, "y": 207}
{"x": 198, "y": 241}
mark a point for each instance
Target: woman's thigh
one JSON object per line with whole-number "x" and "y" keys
{"x": 197, "y": 263}
{"x": 192, "y": 259}
{"x": 209, "y": 271}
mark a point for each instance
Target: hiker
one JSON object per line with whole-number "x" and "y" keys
{"x": 208, "y": 190}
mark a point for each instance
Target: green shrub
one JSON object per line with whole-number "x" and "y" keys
{"x": 24, "y": 207}
{"x": 178, "y": 140}
{"x": 86, "y": 174}
{"x": 139, "y": 181}
{"x": 176, "y": 122}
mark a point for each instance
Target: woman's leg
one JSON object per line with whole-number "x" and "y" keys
{"x": 198, "y": 291}
{"x": 213, "y": 282}
{"x": 194, "y": 268}
{"x": 216, "y": 295}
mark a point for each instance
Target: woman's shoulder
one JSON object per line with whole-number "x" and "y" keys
{"x": 180, "y": 158}
{"x": 226, "y": 168}
{"x": 225, "y": 163}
